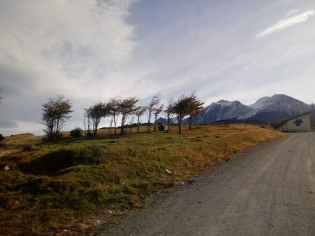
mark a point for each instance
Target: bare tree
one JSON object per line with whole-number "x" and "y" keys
{"x": 127, "y": 107}
{"x": 54, "y": 116}
{"x": 150, "y": 109}
{"x": 110, "y": 125}
{"x": 95, "y": 113}
{"x": 130, "y": 123}
{"x": 169, "y": 111}
{"x": 84, "y": 125}
{"x": 114, "y": 104}
{"x": 156, "y": 112}
{"x": 139, "y": 112}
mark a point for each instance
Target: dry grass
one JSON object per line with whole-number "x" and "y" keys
{"x": 51, "y": 190}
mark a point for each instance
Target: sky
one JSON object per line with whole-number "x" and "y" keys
{"x": 90, "y": 51}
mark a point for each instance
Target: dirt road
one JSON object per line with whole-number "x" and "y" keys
{"x": 269, "y": 190}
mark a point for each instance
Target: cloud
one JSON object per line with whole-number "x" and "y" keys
{"x": 64, "y": 43}
{"x": 282, "y": 24}
{"x": 97, "y": 49}
{"x": 8, "y": 124}
{"x": 20, "y": 127}
{"x": 61, "y": 47}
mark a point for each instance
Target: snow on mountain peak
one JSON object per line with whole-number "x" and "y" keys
{"x": 267, "y": 109}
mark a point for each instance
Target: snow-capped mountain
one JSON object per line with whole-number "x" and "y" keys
{"x": 271, "y": 110}
{"x": 223, "y": 110}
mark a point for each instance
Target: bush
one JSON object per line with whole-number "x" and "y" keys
{"x": 76, "y": 133}
{"x": 54, "y": 136}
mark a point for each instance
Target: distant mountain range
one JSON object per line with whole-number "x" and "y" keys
{"x": 272, "y": 110}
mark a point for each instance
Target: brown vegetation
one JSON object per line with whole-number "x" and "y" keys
{"x": 64, "y": 186}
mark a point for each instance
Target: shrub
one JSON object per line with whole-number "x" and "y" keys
{"x": 76, "y": 133}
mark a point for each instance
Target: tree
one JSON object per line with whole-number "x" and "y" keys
{"x": 95, "y": 113}
{"x": 156, "y": 112}
{"x": 184, "y": 106}
{"x": 139, "y": 112}
{"x": 54, "y": 116}
{"x": 127, "y": 107}
{"x": 169, "y": 111}
{"x": 180, "y": 108}
{"x": 114, "y": 110}
{"x": 151, "y": 107}
{"x": 195, "y": 108}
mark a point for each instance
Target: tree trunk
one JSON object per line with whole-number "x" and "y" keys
{"x": 110, "y": 125}
{"x": 149, "y": 123}
{"x": 115, "y": 121}
{"x": 122, "y": 127}
{"x": 168, "y": 124}
{"x": 138, "y": 124}
{"x": 180, "y": 125}
{"x": 190, "y": 121}
{"x": 155, "y": 123}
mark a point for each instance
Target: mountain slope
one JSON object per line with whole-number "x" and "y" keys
{"x": 277, "y": 108}
{"x": 271, "y": 110}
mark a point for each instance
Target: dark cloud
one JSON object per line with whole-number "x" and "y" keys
{"x": 8, "y": 124}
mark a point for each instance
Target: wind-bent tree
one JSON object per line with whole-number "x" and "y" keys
{"x": 156, "y": 112}
{"x": 127, "y": 107}
{"x": 181, "y": 109}
{"x": 196, "y": 106}
{"x": 54, "y": 116}
{"x": 139, "y": 112}
{"x": 169, "y": 111}
{"x": 184, "y": 106}
{"x": 154, "y": 103}
{"x": 95, "y": 113}
{"x": 114, "y": 105}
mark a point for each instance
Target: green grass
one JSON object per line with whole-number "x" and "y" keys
{"x": 75, "y": 180}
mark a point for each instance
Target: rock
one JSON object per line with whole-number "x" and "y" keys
{"x": 166, "y": 171}
{"x": 83, "y": 226}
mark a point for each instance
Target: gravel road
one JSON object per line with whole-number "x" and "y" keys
{"x": 269, "y": 190}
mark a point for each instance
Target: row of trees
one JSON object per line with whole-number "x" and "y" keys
{"x": 56, "y": 112}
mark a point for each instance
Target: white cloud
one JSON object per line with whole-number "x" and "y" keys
{"x": 282, "y": 24}
{"x": 92, "y": 50}
{"x": 62, "y": 47}
{"x": 65, "y": 42}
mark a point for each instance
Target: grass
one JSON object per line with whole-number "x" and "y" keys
{"x": 57, "y": 186}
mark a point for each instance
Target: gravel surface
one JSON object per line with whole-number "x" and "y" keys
{"x": 269, "y": 190}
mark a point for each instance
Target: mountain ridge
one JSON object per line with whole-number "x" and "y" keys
{"x": 266, "y": 110}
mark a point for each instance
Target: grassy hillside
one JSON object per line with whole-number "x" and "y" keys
{"x": 73, "y": 186}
